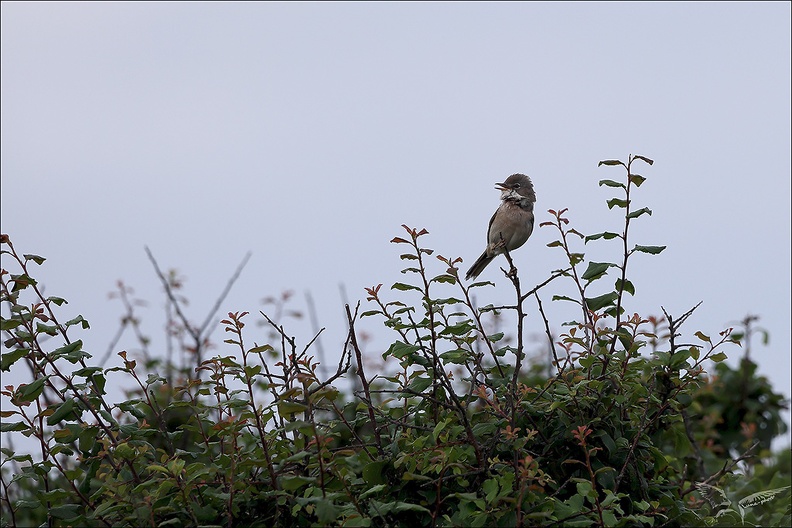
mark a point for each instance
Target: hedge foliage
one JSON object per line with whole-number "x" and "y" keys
{"x": 455, "y": 426}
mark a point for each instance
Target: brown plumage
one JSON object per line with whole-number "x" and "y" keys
{"x": 512, "y": 223}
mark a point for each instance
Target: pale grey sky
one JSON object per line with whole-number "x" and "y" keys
{"x": 308, "y": 132}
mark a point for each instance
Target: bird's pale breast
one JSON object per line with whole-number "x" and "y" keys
{"x": 512, "y": 223}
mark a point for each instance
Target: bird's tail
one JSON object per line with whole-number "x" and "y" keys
{"x": 478, "y": 266}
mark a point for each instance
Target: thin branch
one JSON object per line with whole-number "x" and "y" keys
{"x": 315, "y": 328}
{"x": 225, "y": 292}
{"x": 559, "y": 273}
{"x": 727, "y": 466}
{"x": 673, "y": 325}
{"x": 169, "y": 292}
{"x": 362, "y": 376}
{"x": 549, "y": 335}
{"x": 197, "y": 333}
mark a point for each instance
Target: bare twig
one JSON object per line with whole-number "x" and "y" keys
{"x": 224, "y": 293}
{"x": 128, "y": 319}
{"x": 727, "y": 466}
{"x": 315, "y": 328}
{"x": 169, "y": 292}
{"x": 673, "y": 325}
{"x": 362, "y": 375}
{"x": 554, "y": 276}
{"x": 197, "y": 333}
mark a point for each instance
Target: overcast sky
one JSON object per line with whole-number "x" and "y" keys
{"x": 308, "y": 132}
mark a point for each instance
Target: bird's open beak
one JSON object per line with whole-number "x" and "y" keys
{"x": 501, "y": 187}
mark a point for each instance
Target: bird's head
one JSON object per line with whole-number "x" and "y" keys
{"x": 518, "y": 188}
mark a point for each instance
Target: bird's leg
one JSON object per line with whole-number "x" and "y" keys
{"x": 512, "y": 273}
{"x": 512, "y": 268}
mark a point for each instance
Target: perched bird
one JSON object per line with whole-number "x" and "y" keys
{"x": 512, "y": 223}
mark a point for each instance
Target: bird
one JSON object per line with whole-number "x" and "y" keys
{"x": 512, "y": 223}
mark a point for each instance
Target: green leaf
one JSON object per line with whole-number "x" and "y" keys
{"x": 439, "y": 429}
{"x": 679, "y": 360}
{"x": 78, "y": 320}
{"x": 617, "y": 202}
{"x": 444, "y": 278}
{"x": 611, "y": 162}
{"x": 66, "y": 349}
{"x": 609, "y": 518}
{"x": 607, "y": 441}
{"x": 414, "y": 476}
{"x": 71, "y": 352}
{"x": 373, "y": 490}
{"x": 596, "y": 303}
{"x": 420, "y": 383}
{"x": 64, "y": 410}
{"x": 9, "y": 324}
{"x": 35, "y": 258}
{"x": 644, "y": 159}
{"x": 490, "y": 489}
{"x": 703, "y": 337}
{"x": 158, "y": 468}
{"x": 32, "y": 391}
{"x": 654, "y": 250}
{"x": 326, "y": 512}
{"x": 484, "y": 428}
{"x": 458, "y": 329}
{"x": 625, "y": 285}
{"x": 637, "y": 179}
{"x": 325, "y": 393}
{"x": 125, "y": 451}
{"x": 457, "y": 357}
{"x": 639, "y": 212}
{"x": 58, "y": 300}
{"x": 21, "y": 282}
{"x": 299, "y": 455}
{"x": 404, "y": 287}
{"x": 596, "y": 270}
{"x": 372, "y": 472}
{"x": 405, "y": 506}
{"x": 584, "y": 488}
{"x": 607, "y": 235}
{"x": 400, "y": 349}
{"x": 7, "y": 427}
{"x": 130, "y": 407}
{"x": 564, "y": 298}
{"x": 717, "y": 358}
{"x": 295, "y": 482}
{"x": 12, "y": 357}
{"x": 51, "y": 330}
{"x": 251, "y": 371}
{"x": 286, "y": 408}
{"x": 66, "y": 511}
{"x": 18, "y": 458}
{"x": 611, "y": 183}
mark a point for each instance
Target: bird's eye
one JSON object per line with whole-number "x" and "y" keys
{"x": 516, "y": 185}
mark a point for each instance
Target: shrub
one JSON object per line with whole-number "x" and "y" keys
{"x": 456, "y": 428}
